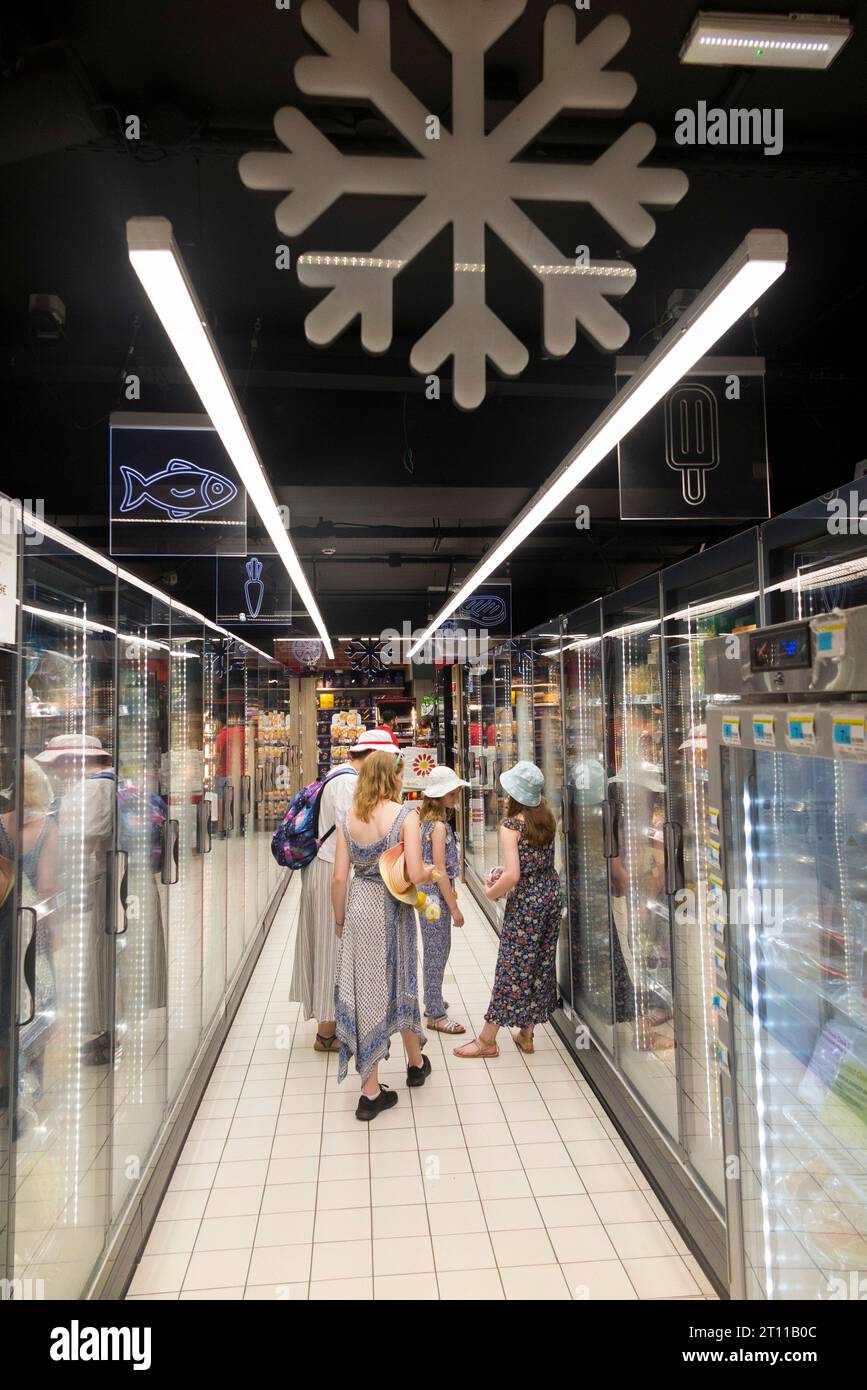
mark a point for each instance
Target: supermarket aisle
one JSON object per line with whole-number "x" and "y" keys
{"x": 500, "y": 1179}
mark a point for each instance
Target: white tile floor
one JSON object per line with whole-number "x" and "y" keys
{"x": 497, "y": 1179}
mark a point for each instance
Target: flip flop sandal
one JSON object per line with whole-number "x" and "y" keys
{"x": 445, "y": 1025}
{"x": 483, "y": 1049}
{"x": 525, "y": 1044}
{"x": 326, "y": 1043}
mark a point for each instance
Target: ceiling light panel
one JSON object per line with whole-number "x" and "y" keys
{"x": 719, "y": 39}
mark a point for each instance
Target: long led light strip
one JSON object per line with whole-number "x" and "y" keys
{"x": 756, "y": 264}
{"x": 158, "y": 264}
{"x": 764, "y": 40}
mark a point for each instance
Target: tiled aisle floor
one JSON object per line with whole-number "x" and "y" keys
{"x": 496, "y": 1179}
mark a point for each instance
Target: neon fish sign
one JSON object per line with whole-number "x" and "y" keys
{"x": 181, "y": 490}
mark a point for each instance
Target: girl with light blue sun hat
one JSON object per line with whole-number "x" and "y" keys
{"x": 525, "y": 980}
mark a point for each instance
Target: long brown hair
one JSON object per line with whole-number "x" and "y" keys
{"x": 540, "y": 826}
{"x": 432, "y": 808}
{"x": 377, "y": 781}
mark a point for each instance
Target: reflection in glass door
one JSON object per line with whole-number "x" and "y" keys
{"x": 263, "y": 699}
{"x": 213, "y": 839}
{"x": 795, "y": 843}
{"x": 182, "y": 868}
{"x": 475, "y": 774}
{"x": 641, "y": 940}
{"x": 64, "y": 832}
{"x": 141, "y": 897}
{"x": 250, "y": 818}
{"x": 548, "y": 756}
{"x": 9, "y": 739}
{"x": 585, "y": 788}
{"x": 735, "y": 609}
{"x": 231, "y": 758}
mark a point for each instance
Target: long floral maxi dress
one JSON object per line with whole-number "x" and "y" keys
{"x": 525, "y": 980}
{"x": 376, "y": 990}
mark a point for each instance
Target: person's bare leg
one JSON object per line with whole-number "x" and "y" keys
{"x": 324, "y": 1034}
{"x": 371, "y": 1085}
{"x": 412, "y": 1047}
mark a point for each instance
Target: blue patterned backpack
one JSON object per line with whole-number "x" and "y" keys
{"x": 295, "y": 842}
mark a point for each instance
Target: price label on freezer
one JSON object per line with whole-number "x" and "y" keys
{"x": 719, "y": 960}
{"x": 801, "y": 730}
{"x": 731, "y": 730}
{"x": 721, "y": 1002}
{"x": 849, "y": 735}
{"x": 763, "y": 733}
{"x": 713, "y": 855}
{"x": 715, "y": 899}
{"x": 722, "y": 1057}
{"x": 830, "y": 637}
{"x": 713, "y": 820}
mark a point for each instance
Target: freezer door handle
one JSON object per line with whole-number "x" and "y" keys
{"x": 228, "y": 816}
{"x": 121, "y": 872}
{"x": 27, "y": 973}
{"x": 246, "y": 796}
{"x": 171, "y": 835}
{"x": 203, "y": 825}
{"x": 260, "y": 782}
{"x": 610, "y": 849}
{"x": 672, "y": 832}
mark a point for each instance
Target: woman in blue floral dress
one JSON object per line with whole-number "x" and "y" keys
{"x": 376, "y": 989}
{"x": 525, "y": 981}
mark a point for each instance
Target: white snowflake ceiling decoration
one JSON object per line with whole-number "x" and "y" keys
{"x": 467, "y": 178}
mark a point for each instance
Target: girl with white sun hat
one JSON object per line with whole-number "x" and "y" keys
{"x": 440, "y": 849}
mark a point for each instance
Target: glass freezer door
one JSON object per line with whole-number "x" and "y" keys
{"x": 183, "y": 868}
{"x": 548, "y": 756}
{"x": 795, "y": 854}
{"x": 641, "y": 939}
{"x": 62, "y": 832}
{"x": 588, "y": 873}
{"x": 141, "y": 898}
{"x": 214, "y": 812}
{"x": 232, "y": 761}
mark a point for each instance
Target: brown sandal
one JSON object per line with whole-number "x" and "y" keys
{"x": 523, "y": 1042}
{"x": 325, "y": 1043}
{"x": 483, "y": 1049}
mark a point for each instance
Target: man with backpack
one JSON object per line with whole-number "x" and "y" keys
{"x": 313, "y": 846}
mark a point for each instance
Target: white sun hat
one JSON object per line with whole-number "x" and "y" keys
{"x": 441, "y": 781}
{"x": 72, "y": 746}
{"x": 375, "y": 740}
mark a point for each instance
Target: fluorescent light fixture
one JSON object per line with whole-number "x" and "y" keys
{"x": 765, "y": 40}
{"x": 158, "y": 264}
{"x": 68, "y": 619}
{"x": 711, "y": 607}
{"x": 757, "y": 263}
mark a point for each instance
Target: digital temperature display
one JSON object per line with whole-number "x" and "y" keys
{"x": 786, "y": 649}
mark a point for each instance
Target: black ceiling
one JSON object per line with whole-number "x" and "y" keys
{"x": 334, "y": 426}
